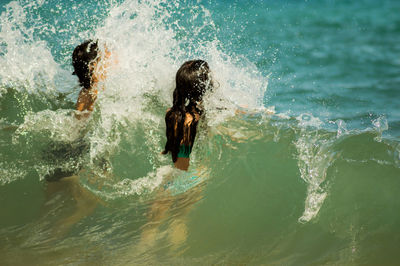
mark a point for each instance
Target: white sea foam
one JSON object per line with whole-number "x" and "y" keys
{"x": 137, "y": 186}
{"x": 314, "y": 158}
{"x": 381, "y": 125}
{"x": 25, "y": 62}
{"x": 9, "y": 172}
{"x": 308, "y": 120}
{"x": 58, "y": 126}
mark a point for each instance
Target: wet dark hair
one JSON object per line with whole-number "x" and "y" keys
{"x": 192, "y": 81}
{"x": 83, "y": 55}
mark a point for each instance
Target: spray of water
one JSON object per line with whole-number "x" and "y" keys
{"x": 314, "y": 158}
{"x": 149, "y": 40}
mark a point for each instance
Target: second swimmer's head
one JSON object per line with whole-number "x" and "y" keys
{"x": 82, "y": 59}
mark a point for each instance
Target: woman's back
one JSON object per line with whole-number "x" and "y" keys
{"x": 192, "y": 81}
{"x": 187, "y": 141}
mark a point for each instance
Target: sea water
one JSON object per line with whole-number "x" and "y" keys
{"x": 296, "y": 161}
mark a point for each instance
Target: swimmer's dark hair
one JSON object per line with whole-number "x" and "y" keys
{"x": 193, "y": 79}
{"x": 83, "y": 55}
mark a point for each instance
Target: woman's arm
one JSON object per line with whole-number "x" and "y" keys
{"x": 85, "y": 102}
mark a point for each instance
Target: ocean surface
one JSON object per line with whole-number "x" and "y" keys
{"x": 296, "y": 162}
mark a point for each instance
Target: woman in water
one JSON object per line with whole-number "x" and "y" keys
{"x": 193, "y": 79}
{"x": 90, "y": 66}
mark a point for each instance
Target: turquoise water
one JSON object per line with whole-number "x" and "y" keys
{"x": 306, "y": 173}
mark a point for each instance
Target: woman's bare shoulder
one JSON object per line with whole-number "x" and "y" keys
{"x": 189, "y": 118}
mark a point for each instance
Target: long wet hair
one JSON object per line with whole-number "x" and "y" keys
{"x": 82, "y": 57}
{"x": 193, "y": 79}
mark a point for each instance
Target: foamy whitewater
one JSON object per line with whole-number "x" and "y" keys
{"x": 296, "y": 161}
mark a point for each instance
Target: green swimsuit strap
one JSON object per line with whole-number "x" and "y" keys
{"x": 184, "y": 151}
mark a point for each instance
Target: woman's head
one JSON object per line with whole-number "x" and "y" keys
{"x": 193, "y": 79}
{"x": 83, "y": 57}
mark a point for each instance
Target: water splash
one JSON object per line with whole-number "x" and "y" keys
{"x": 150, "y": 40}
{"x": 17, "y": 43}
{"x": 59, "y": 126}
{"x": 314, "y": 158}
{"x": 381, "y": 125}
{"x": 342, "y": 129}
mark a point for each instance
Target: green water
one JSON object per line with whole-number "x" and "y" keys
{"x": 307, "y": 172}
